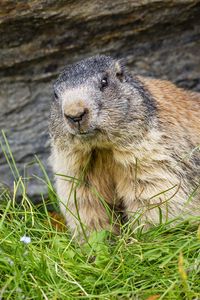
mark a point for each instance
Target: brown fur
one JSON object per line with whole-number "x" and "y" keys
{"x": 157, "y": 171}
{"x": 178, "y": 109}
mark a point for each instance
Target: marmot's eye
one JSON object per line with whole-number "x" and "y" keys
{"x": 104, "y": 82}
{"x": 55, "y": 95}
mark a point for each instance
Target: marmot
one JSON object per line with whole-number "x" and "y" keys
{"x": 122, "y": 142}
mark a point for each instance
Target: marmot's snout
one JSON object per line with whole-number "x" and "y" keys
{"x": 76, "y": 116}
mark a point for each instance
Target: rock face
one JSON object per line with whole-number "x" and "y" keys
{"x": 157, "y": 38}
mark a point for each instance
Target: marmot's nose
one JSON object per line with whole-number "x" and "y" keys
{"x": 78, "y": 117}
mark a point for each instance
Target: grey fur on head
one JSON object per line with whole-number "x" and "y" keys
{"x": 79, "y": 72}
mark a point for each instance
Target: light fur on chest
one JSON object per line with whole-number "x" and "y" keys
{"x": 141, "y": 180}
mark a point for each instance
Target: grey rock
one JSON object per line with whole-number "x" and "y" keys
{"x": 157, "y": 38}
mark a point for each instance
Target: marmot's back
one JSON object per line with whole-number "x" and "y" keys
{"x": 178, "y": 109}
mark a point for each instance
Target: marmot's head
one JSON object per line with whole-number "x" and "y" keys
{"x": 98, "y": 97}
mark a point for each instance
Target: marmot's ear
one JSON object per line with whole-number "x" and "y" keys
{"x": 120, "y": 70}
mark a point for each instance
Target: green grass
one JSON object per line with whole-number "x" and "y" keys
{"x": 161, "y": 263}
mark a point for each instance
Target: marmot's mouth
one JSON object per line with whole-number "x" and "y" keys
{"x": 89, "y": 133}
